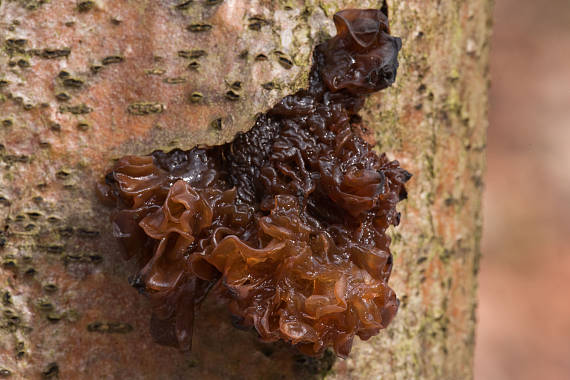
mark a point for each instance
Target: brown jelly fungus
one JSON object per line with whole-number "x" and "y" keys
{"x": 287, "y": 222}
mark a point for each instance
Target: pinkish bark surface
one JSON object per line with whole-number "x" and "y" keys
{"x": 67, "y": 308}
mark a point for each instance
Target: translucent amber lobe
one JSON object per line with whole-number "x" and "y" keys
{"x": 288, "y": 220}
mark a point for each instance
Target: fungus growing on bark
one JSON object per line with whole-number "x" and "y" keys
{"x": 288, "y": 221}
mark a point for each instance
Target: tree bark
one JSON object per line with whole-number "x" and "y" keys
{"x": 85, "y": 82}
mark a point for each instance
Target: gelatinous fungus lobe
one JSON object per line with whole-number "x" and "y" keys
{"x": 287, "y": 222}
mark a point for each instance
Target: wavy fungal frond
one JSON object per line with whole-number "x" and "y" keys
{"x": 288, "y": 221}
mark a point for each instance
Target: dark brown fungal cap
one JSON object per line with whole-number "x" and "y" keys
{"x": 288, "y": 221}
{"x": 363, "y": 56}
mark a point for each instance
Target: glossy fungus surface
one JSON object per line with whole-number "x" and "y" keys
{"x": 287, "y": 222}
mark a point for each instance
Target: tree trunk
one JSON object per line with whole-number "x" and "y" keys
{"x": 85, "y": 82}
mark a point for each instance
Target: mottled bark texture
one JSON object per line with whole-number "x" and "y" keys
{"x": 85, "y": 82}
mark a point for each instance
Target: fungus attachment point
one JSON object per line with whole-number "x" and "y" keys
{"x": 288, "y": 220}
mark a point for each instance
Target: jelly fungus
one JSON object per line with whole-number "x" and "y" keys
{"x": 287, "y": 222}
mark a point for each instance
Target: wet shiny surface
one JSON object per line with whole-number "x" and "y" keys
{"x": 287, "y": 221}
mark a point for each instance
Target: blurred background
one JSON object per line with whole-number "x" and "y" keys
{"x": 524, "y": 283}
